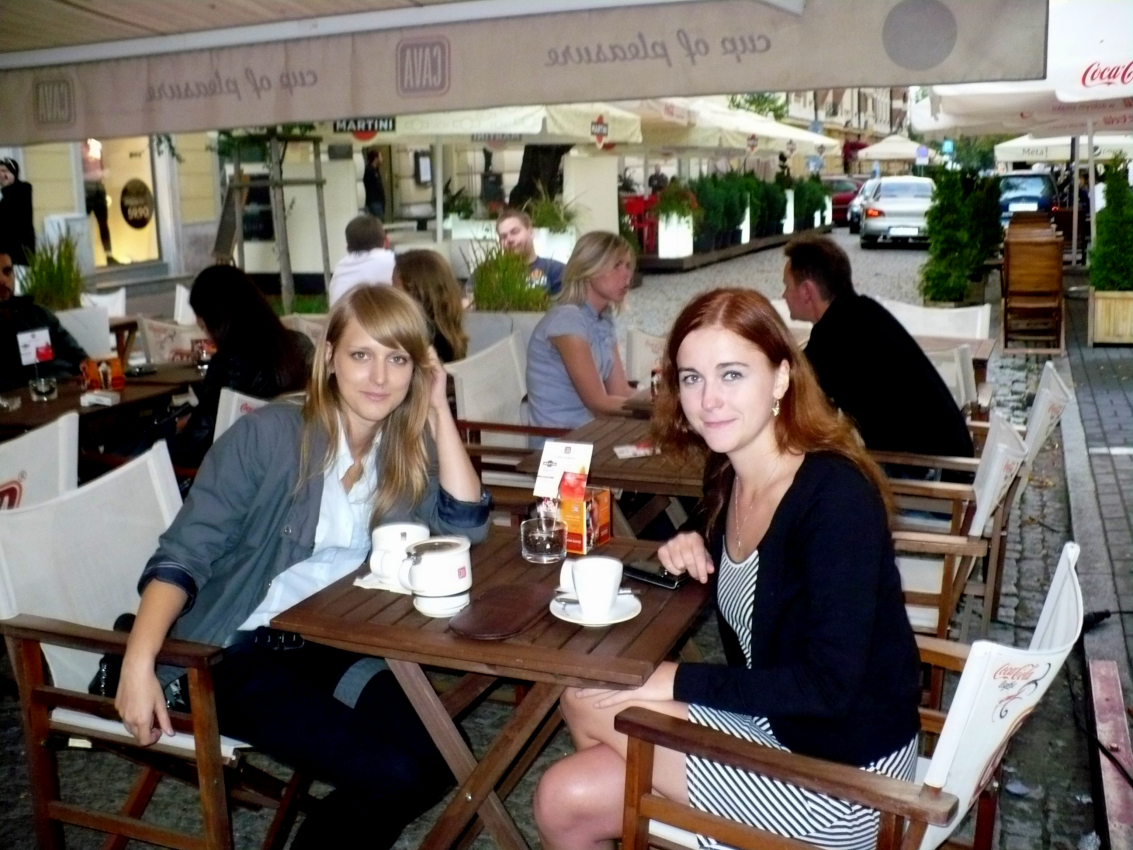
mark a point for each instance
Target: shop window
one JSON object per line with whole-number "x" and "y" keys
{"x": 118, "y": 184}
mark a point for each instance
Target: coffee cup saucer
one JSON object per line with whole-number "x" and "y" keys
{"x": 625, "y": 608}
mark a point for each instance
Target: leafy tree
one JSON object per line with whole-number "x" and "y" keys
{"x": 760, "y": 102}
{"x": 977, "y": 153}
{"x": 1111, "y": 261}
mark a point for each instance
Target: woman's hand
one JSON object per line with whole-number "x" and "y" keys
{"x": 686, "y": 553}
{"x": 438, "y": 382}
{"x": 141, "y": 702}
{"x": 658, "y": 688}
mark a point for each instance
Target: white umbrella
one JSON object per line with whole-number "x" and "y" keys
{"x": 717, "y": 127}
{"x": 893, "y": 149}
{"x": 1057, "y": 148}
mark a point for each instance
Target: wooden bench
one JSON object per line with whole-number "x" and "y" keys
{"x": 1113, "y": 796}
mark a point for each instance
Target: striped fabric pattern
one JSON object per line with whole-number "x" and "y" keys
{"x": 767, "y": 803}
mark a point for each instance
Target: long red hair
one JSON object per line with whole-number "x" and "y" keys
{"x": 806, "y": 421}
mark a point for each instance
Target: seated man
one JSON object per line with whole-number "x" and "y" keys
{"x": 517, "y": 235}
{"x": 865, "y": 360}
{"x": 18, "y": 313}
{"x": 368, "y": 258}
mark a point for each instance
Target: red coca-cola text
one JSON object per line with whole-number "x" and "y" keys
{"x": 1097, "y": 74}
{"x": 10, "y": 494}
{"x": 1011, "y": 673}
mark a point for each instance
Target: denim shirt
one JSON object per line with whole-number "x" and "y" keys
{"x": 552, "y": 398}
{"x": 248, "y": 518}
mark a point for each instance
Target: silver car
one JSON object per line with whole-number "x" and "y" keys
{"x": 895, "y": 211}
{"x": 854, "y": 213}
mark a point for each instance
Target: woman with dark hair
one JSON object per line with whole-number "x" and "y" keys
{"x": 821, "y": 657}
{"x": 255, "y": 353}
{"x": 17, "y": 229}
{"x": 429, "y": 280}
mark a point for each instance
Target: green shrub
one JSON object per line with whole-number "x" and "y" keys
{"x": 551, "y": 213}
{"x": 500, "y": 282}
{"x": 985, "y": 230}
{"x": 677, "y": 201}
{"x": 1111, "y": 260}
{"x": 54, "y": 280}
{"x": 944, "y": 277}
{"x": 810, "y": 197}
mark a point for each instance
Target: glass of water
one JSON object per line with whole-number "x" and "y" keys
{"x": 542, "y": 540}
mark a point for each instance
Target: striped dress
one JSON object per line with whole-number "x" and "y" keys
{"x": 756, "y": 800}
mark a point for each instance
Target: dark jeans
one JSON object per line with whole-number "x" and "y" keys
{"x": 377, "y": 209}
{"x": 96, "y": 203}
{"x": 382, "y": 763}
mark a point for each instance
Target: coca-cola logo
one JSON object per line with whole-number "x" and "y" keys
{"x": 1015, "y": 673}
{"x": 10, "y": 494}
{"x": 1097, "y": 74}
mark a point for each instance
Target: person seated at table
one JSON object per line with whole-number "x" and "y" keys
{"x": 821, "y": 659}
{"x": 516, "y": 234}
{"x": 865, "y": 360}
{"x": 255, "y": 354}
{"x": 574, "y": 371}
{"x": 283, "y": 506}
{"x": 429, "y": 280}
{"x": 19, "y": 313}
{"x": 368, "y": 259}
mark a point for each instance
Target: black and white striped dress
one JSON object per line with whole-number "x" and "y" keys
{"x": 756, "y": 800}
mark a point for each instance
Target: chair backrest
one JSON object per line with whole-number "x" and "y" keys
{"x": 962, "y": 322}
{"x": 999, "y": 464}
{"x": 490, "y": 387}
{"x": 998, "y": 689}
{"x": 948, "y": 363}
{"x": 182, "y": 311}
{"x": 1034, "y": 266}
{"x": 113, "y": 302}
{"x": 1050, "y": 401}
{"x": 41, "y": 464}
{"x": 90, "y": 326}
{"x": 967, "y": 365}
{"x": 165, "y": 342}
{"x": 311, "y": 325}
{"x": 231, "y": 406}
{"x": 78, "y": 557}
{"x": 485, "y": 329}
{"x": 643, "y": 352}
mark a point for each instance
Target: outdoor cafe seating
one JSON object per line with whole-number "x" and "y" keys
{"x": 41, "y": 464}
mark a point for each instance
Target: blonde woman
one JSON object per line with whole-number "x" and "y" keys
{"x": 574, "y": 370}
{"x": 282, "y": 506}
{"x": 429, "y": 280}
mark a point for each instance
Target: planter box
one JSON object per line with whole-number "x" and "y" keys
{"x": 674, "y": 237}
{"x": 1111, "y": 317}
{"x": 557, "y": 246}
{"x": 472, "y": 228}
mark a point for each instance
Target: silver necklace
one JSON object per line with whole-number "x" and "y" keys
{"x": 740, "y": 522}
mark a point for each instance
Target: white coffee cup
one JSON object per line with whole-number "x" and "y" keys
{"x": 439, "y": 566}
{"x": 389, "y": 545}
{"x": 441, "y": 606}
{"x": 597, "y": 580}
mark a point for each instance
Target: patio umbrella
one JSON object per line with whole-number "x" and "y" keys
{"x": 1057, "y": 148}
{"x": 716, "y": 127}
{"x": 893, "y": 149}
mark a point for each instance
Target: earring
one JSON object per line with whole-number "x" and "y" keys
{"x": 775, "y": 408}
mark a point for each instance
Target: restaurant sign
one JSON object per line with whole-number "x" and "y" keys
{"x": 378, "y": 124}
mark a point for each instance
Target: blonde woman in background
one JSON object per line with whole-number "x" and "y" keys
{"x": 428, "y": 279}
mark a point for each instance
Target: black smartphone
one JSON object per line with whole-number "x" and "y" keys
{"x": 139, "y": 371}
{"x": 652, "y": 572}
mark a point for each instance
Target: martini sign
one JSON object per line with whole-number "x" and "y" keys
{"x": 364, "y": 129}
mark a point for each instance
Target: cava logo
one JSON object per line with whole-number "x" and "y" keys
{"x": 54, "y": 102}
{"x": 423, "y": 67}
{"x": 10, "y": 493}
{"x": 600, "y": 130}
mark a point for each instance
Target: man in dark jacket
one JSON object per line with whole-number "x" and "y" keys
{"x": 18, "y": 313}
{"x": 865, "y": 360}
{"x": 17, "y": 229}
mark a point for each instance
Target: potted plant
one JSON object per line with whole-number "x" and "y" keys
{"x": 460, "y": 209}
{"x": 54, "y": 279}
{"x": 677, "y": 210}
{"x": 499, "y": 283}
{"x": 1111, "y": 261}
{"x": 944, "y": 276}
{"x": 553, "y": 222}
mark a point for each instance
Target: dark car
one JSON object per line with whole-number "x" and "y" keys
{"x": 854, "y": 215}
{"x": 1026, "y": 191}
{"x": 842, "y": 190}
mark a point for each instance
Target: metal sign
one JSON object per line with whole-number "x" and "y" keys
{"x": 137, "y": 204}
{"x": 377, "y": 124}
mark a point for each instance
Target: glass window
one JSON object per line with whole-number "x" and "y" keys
{"x": 905, "y": 190}
{"x": 118, "y": 185}
{"x": 1026, "y": 185}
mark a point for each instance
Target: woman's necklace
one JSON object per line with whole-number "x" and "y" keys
{"x": 741, "y": 521}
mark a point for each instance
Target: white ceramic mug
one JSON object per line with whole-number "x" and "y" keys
{"x": 389, "y": 545}
{"x": 439, "y": 566}
{"x": 441, "y": 606}
{"x": 597, "y": 580}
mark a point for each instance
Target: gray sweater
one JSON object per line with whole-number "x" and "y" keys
{"x": 248, "y": 518}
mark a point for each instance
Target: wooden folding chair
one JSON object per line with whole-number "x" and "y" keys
{"x": 1033, "y": 307}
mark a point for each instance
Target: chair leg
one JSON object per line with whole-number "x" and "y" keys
{"x": 985, "y": 816}
{"x": 141, "y": 792}
{"x": 280, "y": 828}
{"x": 216, "y": 821}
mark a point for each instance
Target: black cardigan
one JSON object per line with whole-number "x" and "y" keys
{"x": 835, "y": 667}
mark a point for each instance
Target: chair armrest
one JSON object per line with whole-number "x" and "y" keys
{"x": 932, "y": 720}
{"x": 916, "y": 802}
{"x": 927, "y": 543}
{"x": 178, "y": 653}
{"x": 939, "y": 652}
{"x": 475, "y": 450}
{"x": 466, "y": 425}
{"x": 932, "y": 489}
{"x": 957, "y": 464}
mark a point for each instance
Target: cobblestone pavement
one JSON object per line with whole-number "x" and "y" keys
{"x": 1046, "y": 800}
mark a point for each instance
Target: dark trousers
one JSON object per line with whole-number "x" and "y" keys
{"x": 378, "y": 756}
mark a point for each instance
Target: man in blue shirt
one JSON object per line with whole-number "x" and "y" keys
{"x": 518, "y": 236}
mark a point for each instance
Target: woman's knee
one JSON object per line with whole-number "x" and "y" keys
{"x": 584, "y": 791}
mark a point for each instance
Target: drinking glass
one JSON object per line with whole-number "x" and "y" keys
{"x": 43, "y": 389}
{"x": 542, "y": 540}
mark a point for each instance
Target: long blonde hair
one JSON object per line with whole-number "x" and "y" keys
{"x": 395, "y": 320}
{"x": 428, "y": 278}
{"x": 594, "y": 253}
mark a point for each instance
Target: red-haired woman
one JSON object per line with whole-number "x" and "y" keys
{"x": 821, "y": 658}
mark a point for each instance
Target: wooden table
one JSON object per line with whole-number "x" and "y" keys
{"x": 125, "y": 330}
{"x": 552, "y": 655}
{"x": 661, "y": 475}
{"x": 182, "y": 375}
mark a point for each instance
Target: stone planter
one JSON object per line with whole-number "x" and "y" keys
{"x": 472, "y": 228}
{"x": 1111, "y": 317}
{"x": 557, "y": 246}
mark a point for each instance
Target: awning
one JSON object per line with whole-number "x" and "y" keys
{"x": 1057, "y": 148}
{"x": 72, "y": 69}
{"x": 716, "y": 127}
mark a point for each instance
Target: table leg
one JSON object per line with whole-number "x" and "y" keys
{"x": 477, "y": 780}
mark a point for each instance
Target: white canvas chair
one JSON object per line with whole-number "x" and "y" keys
{"x": 961, "y": 322}
{"x": 90, "y": 326}
{"x": 182, "y": 311}
{"x": 485, "y": 329}
{"x": 999, "y": 687}
{"x": 949, "y": 365}
{"x": 311, "y": 325}
{"x": 231, "y": 406}
{"x": 643, "y": 352}
{"x": 165, "y": 342}
{"x": 40, "y": 464}
{"x": 113, "y": 302}
{"x": 68, "y": 568}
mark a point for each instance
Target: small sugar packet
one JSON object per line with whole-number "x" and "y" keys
{"x": 635, "y": 450}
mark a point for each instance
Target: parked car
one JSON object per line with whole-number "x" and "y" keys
{"x": 854, "y": 213}
{"x": 896, "y": 210}
{"x": 1026, "y": 191}
{"x": 842, "y": 190}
